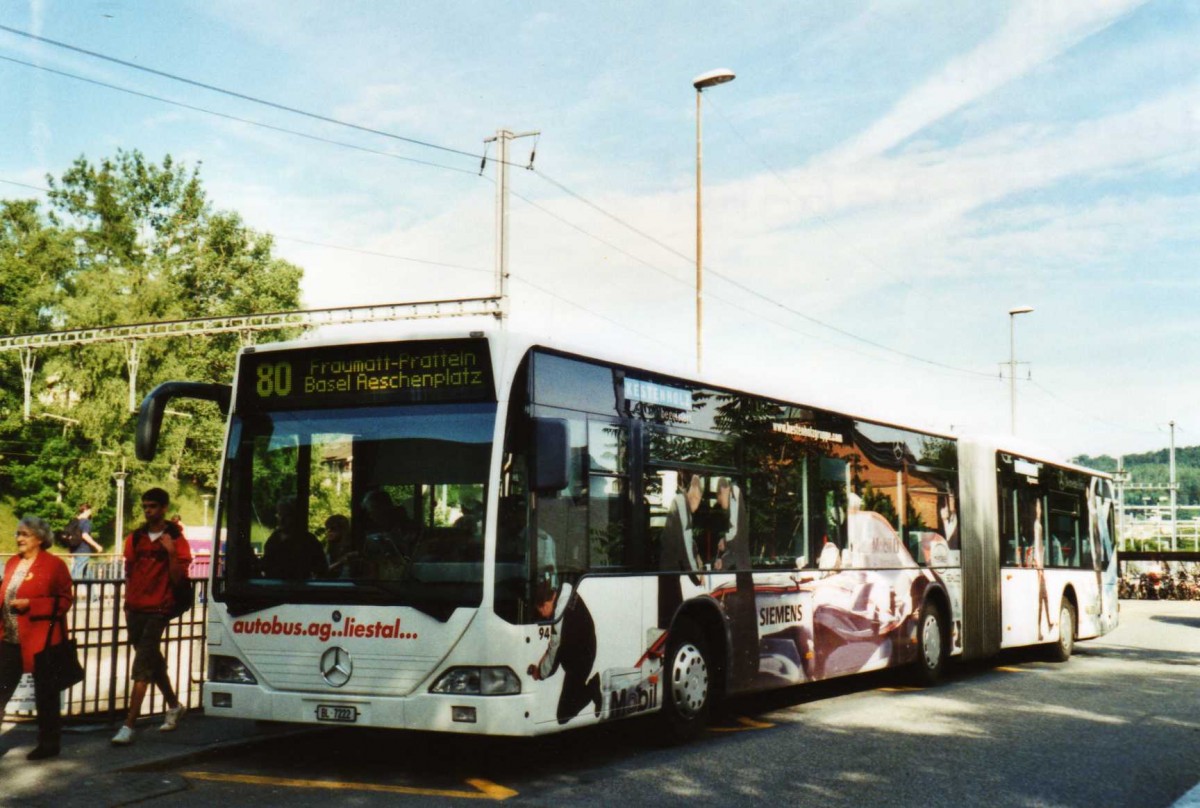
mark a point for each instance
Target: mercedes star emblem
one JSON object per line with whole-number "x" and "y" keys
{"x": 336, "y": 666}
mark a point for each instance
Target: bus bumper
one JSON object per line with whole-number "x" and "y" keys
{"x": 474, "y": 715}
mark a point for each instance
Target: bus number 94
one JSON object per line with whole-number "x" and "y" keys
{"x": 274, "y": 379}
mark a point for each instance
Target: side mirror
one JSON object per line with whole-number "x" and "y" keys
{"x": 149, "y": 422}
{"x": 550, "y": 455}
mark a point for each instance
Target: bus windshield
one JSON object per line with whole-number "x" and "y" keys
{"x": 357, "y": 504}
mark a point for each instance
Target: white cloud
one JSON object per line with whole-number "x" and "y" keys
{"x": 1034, "y": 33}
{"x": 872, "y": 218}
{"x": 877, "y": 239}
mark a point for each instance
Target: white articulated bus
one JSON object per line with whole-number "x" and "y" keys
{"x": 487, "y": 535}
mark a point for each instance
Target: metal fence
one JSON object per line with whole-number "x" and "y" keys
{"x": 97, "y": 624}
{"x": 109, "y": 566}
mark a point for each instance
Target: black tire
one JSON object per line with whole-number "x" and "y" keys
{"x": 931, "y": 646}
{"x": 1061, "y": 650}
{"x": 687, "y": 684}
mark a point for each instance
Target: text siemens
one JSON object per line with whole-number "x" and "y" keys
{"x": 774, "y": 615}
{"x": 377, "y": 630}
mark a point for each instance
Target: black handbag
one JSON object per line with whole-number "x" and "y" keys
{"x": 58, "y": 665}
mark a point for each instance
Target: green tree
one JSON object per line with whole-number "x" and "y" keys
{"x": 125, "y": 240}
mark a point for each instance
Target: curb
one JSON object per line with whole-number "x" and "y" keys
{"x": 187, "y": 755}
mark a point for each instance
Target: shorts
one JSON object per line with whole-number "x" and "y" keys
{"x": 145, "y": 635}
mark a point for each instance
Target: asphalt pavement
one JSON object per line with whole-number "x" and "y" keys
{"x": 92, "y": 772}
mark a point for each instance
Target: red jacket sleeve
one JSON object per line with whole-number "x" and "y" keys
{"x": 128, "y": 553}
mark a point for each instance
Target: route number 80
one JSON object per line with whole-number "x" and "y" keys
{"x": 274, "y": 379}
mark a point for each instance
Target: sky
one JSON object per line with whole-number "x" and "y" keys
{"x": 883, "y": 182}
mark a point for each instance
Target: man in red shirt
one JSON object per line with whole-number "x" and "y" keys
{"x": 156, "y": 556}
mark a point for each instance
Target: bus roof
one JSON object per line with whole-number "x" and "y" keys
{"x": 508, "y": 347}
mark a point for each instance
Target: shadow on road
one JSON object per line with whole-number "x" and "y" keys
{"x": 1178, "y": 620}
{"x": 1012, "y": 730}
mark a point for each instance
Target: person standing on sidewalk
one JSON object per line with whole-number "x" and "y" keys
{"x": 79, "y": 533}
{"x": 156, "y": 557}
{"x": 35, "y": 593}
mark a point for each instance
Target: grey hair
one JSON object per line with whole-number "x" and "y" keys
{"x": 40, "y": 528}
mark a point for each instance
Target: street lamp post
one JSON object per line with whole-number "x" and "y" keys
{"x": 1012, "y": 363}
{"x": 119, "y": 527}
{"x": 702, "y": 82}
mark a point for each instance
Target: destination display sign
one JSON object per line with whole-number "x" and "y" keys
{"x": 364, "y": 374}
{"x": 660, "y": 395}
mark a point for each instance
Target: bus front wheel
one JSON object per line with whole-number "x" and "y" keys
{"x": 687, "y": 683}
{"x": 931, "y": 652}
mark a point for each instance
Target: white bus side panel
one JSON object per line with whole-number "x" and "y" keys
{"x": 1028, "y": 620}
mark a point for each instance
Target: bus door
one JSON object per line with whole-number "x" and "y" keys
{"x": 1100, "y": 503}
{"x": 1027, "y": 616}
{"x": 698, "y": 526}
{"x": 591, "y": 612}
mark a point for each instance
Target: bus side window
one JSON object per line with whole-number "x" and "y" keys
{"x": 1065, "y": 533}
{"x": 808, "y": 513}
{"x": 608, "y": 525}
{"x": 1010, "y": 549}
{"x": 834, "y": 501}
{"x": 1033, "y": 548}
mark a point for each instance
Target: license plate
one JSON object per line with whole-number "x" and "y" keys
{"x": 330, "y": 712}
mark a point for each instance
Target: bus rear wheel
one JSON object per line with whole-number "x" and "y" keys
{"x": 687, "y": 684}
{"x": 1061, "y": 651}
{"x": 931, "y": 652}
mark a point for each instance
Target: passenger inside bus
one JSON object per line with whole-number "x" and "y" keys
{"x": 338, "y": 550}
{"x": 387, "y": 545}
{"x": 291, "y": 552}
{"x": 471, "y": 521}
{"x": 389, "y": 534}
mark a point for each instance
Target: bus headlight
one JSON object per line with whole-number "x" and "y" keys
{"x": 229, "y": 670}
{"x": 478, "y": 681}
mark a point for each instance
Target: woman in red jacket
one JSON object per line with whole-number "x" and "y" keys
{"x": 35, "y": 584}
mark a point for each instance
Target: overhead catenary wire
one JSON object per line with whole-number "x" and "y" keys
{"x": 1063, "y": 402}
{"x": 322, "y": 245}
{"x": 425, "y": 144}
{"x": 235, "y": 94}
{"x": 601, "y": 316}
{"x": 593, "y": 312}
{"x": 684, "y": 282}
{"x": 543, "y": 175}
{"x": 748, "y": 290}
{"x": 24, "y": 184}
{"x": 235, "y": 118}
{"x": 378, "y": 254}
{"x": 787, "y": 186}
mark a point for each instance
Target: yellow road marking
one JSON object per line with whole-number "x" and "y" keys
{"x": 746, "y": 724}
{"x": 486, "y": 789}
{"x": 1010, "y": 669}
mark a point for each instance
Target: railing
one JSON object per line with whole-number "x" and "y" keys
{"x": 97, "y": 624}
{"x": 110, "y": 566}
{"x": 1149, "y": 529}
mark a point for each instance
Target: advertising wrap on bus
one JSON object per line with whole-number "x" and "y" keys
{"x": 413, "y": 537}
